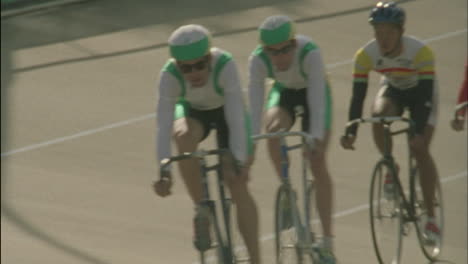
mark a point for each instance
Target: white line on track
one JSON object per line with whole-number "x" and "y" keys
{"x": 346, "y": 212}
{"x": 77, "y": 135}
{"x": 150, "y": 116}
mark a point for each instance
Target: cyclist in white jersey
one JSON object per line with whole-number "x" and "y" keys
{"x": 294, "y": 63}
{"x": 408, "y": 82}
{"x": 200, "y": 89}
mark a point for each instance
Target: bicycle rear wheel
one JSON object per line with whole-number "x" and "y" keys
{"x": 287, "y": 234}
{"x": 385, "y": 216}
{"x": 431, "y": 249}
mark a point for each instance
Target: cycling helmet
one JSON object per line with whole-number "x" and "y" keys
{"x": 387, "y": 12}
{"x": 276, "y": 29}
{"x": 189, "y": 42}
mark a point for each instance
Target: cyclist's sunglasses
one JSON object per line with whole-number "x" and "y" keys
{"x": 284, "y": 50}
{"x": 197, "y": 66}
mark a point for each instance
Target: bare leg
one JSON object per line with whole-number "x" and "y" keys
{"x": 383, "y": 107}
{"x": 187, "y": 134}
{"x": 247, "y": 215}
{"x": 426, "y": 165}
{"x": 324, "y": 190}
{"x": 276, "y": 119}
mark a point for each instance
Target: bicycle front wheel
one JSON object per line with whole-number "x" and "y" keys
{"x": 287, "y": 234}
{"x": 431, "y": 246}
{"x": 385, "y": 214}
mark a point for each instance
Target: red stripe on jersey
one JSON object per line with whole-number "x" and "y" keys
{"x": 360, "y": 75}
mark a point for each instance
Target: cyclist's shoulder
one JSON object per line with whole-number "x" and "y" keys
{"x": 414, "y": 46}
{"x": 305, "y": 46}
{"x": 303, "y": 41}
{"x": 409, "y": 40}
{"x": 169, "y": 65}
{"x": 257, "y": 52}
{"x": 221, "y": 59}
{"x": 218, "y": 53}
{"x": 258, "y": 58}
{"x": 169, "y": 72}
{"x": 370, "y": 48}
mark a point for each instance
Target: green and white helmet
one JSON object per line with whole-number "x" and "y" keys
{"x": 276, "y": 29}
{"x": 189, "y": 42}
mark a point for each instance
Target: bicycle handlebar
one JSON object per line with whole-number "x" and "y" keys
{"x": 459, "y": 107}
{"x": 385, "y": 120}
{"x": 187, "y": 155}
{"x": 282, "y": 134}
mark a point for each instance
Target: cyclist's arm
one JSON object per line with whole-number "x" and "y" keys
{"x": 256, "y": 86}
{"x": 424, "y": 61}
{"x": 362, "y": 67}
{"x": 165, "y": 114}
{"x": 235, "y": 111}
{"x": 316, "y": 93}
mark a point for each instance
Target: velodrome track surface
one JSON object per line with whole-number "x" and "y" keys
{"x": 78, "y": 127}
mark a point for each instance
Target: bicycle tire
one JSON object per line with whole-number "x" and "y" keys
{"x": 286, "y": 232}
{"x": 310, "y": 207}
{"x": 431, "y": 252}
{"x": 219, "y": 242}
{"x": 385, "y": 216}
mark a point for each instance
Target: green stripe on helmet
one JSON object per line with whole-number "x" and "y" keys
{"x": 280, "y": 34}
{"x": 190, "y": 51}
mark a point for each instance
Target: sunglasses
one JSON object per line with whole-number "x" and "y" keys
{"x": 197, "y": 66}
{"x": 284, "y": 50}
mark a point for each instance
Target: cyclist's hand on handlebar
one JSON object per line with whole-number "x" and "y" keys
{"x": 457, "y": 124}
{"x": 347, "y": 141}
{"x": 162, "y": 187}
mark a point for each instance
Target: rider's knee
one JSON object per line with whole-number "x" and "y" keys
{"x": 273, "y": 126}
{"x": 183, "y": 137}
{"x": 318, "y": 166}
{"x": 238, "y": 188}
{"x": 378, "y": 113}
{"x": 384, "y": 107}
{"x": 420, "y": 149}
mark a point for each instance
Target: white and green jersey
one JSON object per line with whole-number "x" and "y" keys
{"x": 222, "y": 89}
{"x": 307, "y": 71}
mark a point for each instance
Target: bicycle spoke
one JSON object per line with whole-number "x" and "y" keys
{"x": 288, "y": 248}
{"x": 385, "y": 214}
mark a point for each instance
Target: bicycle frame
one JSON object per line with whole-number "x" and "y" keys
{"x": 412, "y": 210}
{"x": 387, "y": 157}
{"x": 305, "y": 241}
{"x": 410, "y": 215}
{"x": 224, "y": 244}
